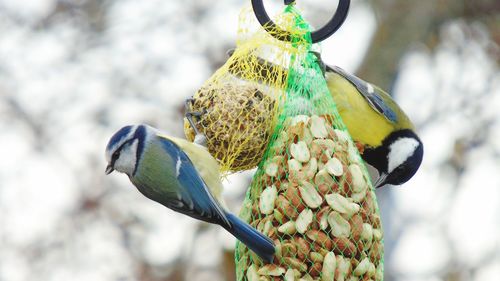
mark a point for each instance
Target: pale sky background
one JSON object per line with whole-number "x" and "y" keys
{"x": 72, "y": 72}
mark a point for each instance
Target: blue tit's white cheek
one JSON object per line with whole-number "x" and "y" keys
{"x": 128, "y": 158}
{"x": 400, "y": 151}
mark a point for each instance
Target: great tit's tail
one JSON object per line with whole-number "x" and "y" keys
{"x": 253, "y": 239}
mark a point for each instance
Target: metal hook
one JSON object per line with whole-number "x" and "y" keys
{"x": 316, "y": 36}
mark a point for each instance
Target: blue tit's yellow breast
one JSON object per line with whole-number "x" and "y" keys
{"x": 364, "y": 123}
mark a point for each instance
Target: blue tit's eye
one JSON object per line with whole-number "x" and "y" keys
{"x": 115, "y": 155}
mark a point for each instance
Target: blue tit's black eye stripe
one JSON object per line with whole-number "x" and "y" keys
{"x": 140, "y": 135}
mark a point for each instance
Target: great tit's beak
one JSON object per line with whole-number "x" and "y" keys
{"x": 381, "y": 180}
{"x": 109, "y": 169}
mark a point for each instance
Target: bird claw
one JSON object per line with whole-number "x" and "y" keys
{"x": 320, "y": 62}
{"x": 199, "y": 138}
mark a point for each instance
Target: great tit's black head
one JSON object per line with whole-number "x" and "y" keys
{"x": 397, "y": 159}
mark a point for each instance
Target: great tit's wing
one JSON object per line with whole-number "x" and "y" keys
{"x": 194, "y": 197}
{"x": 372, "y": 94}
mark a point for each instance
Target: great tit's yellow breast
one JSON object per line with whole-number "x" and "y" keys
{"x": 364, "y": 123}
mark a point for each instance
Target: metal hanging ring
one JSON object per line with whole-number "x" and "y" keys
{"x": 316, "y": 36}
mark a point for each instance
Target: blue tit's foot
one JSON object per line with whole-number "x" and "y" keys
{"x": 199, "y": 138}
{"x": 190, "y": 114}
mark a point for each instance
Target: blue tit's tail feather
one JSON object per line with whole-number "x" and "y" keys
{"x": 254, "y": 240}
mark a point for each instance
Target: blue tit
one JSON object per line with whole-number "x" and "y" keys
{"x": 180, "y": 175}
{"x": 376, "y": 121}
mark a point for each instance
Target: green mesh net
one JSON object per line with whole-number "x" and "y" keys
{"x": 311, "y": 193}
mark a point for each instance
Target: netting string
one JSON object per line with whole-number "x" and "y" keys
{"x": 317, "y": 36}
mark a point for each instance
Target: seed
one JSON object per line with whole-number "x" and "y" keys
{"x": 371, "y": 270}
{"x": 356, "y": 223}
{"x": 345, "y": 247}
{"x": 310, "y": 195}
{"x": 267, "y": 199}
{"x": 342, "y": 136}
{"x": 272, "y": 166}
{"x": 329, "y": 267}
{"x": 278, "y": 216}
{"x": 377, "y": 234}
{"x": 271, "y": 270}
{"x": 294, "y": 165}
{"x": 289, "y": 275}
{"x": 267, "y": 227}
{"x": 310, "y": 168}
{"x": 316, "y": 257}
{"x": 367, "y": 233}
{"x": 287, "y": 228}
{"x": 300, "y": 152}
{"x": 303, "y": 247}
{"x": 343, "y": 268}
{"x": 358, "y": 197}
{"x": 286, "y": 208}
{"x": 292, "y": 194}
{"x": 340, "y": 226}
{"x": 318, "y": 128}
{"x": 362, "y": 267}
{"x": 334, "y": 167}
{"x": 252, "y": 274}
{"x": 296, "y": 264}
{"x": 323, "y": 177}
{"x": 320, "y": 238}
{"x": 340, "y": 204}
{"x": 322, "y": 217}
{"x": 288, "y": 249}
{"x": 315, "y": 270}
{"x": 299, "y": 118}
{"x": 358, "y": 182}
{"x": 303, "y": 221}
{"x": 325, "y": 145}
{"x": 376, "y": 252}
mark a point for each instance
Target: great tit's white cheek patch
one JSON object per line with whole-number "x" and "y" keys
{"x": 128, "y": 158}
{"x": 400, "y": 151}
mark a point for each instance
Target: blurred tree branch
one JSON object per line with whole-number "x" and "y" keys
{"x": 401, "y": 24}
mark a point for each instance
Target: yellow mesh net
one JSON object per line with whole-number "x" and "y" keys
{"x": 239, "y": 103}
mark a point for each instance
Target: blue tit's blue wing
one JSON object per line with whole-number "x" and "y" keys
{"x": 371, "y": 94}
{"x": 194, "y": 197}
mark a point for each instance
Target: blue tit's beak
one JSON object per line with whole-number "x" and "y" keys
{"x": 109, "y": 169}
{"x": 381, "y": 180}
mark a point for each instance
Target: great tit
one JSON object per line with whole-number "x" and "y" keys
{"x": 371, "y": 116}
{"x": 375, "y": 120}
{"x": 180, "y": 175}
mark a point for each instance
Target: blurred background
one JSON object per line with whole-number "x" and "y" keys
{"x": 72, "y": 72}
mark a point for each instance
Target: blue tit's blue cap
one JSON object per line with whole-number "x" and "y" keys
{"x": 118, "y": 136}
